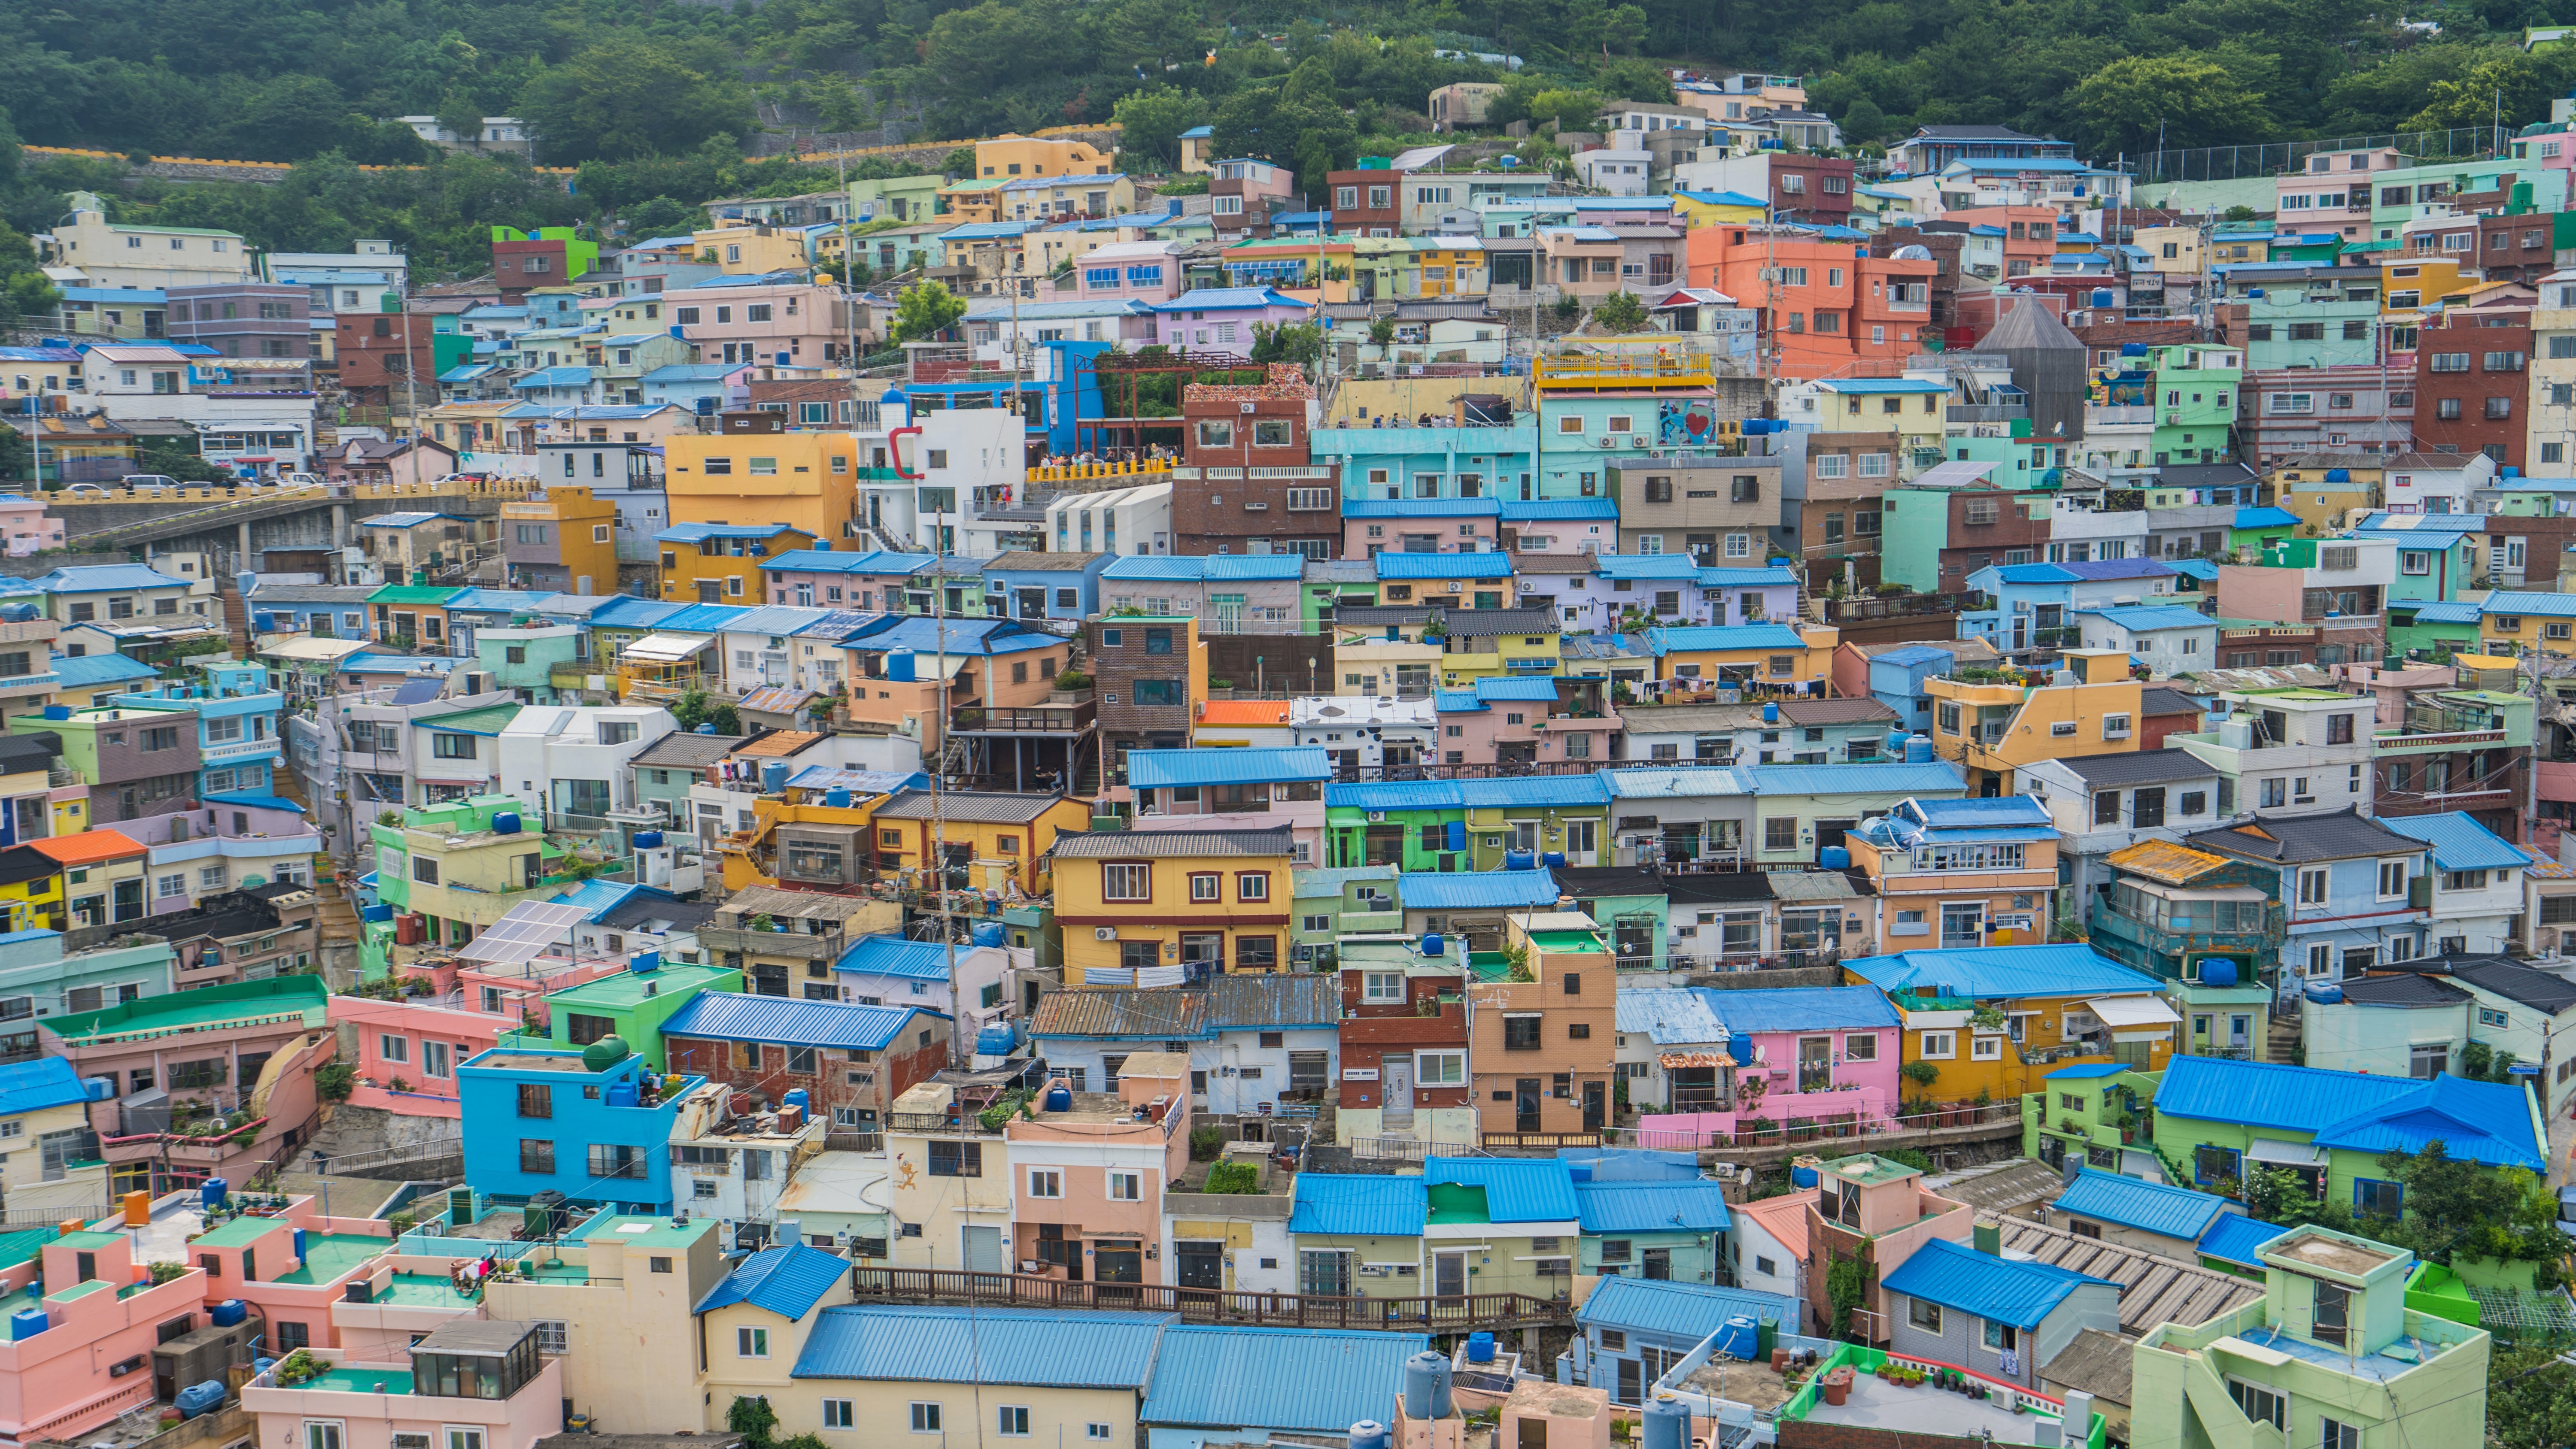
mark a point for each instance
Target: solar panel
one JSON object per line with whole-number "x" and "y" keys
{"x": 524, "y": 933}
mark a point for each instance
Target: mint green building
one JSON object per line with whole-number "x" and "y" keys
{"x": 2194, "y": 398}
{"x": 631, "y": 1005}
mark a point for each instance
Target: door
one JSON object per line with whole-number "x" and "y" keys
{"x": 1582, "y": 841}
{"x": 129, "y": 900}
{"x": 1632, "y": 1384}
{"x": 1815, "y": 1063}
{"x": 983, "y": 1250}
{"x": 1659, "y": 1263}
{"x": 1963, "y": 925}
{"x": 1829, "y": 835}
{"x": 1324, "y": 1272}
{"x": 1201, "y": 1264}
{"x": 1449, "y": 1275}
{"x": 1595, "y": 1114}
{"x": 1525, "y": 1100}
{"x": 1399, "y": 1091}
{"x": 1117, "y": 1263}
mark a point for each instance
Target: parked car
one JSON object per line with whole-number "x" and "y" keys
{"x": 150, "y": 480}
{"x": 85, "y": 490}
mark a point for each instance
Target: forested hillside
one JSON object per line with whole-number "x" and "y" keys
{"x": 656, "y": 98}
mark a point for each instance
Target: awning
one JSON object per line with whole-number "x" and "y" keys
{"x": 2132, "y": 1012}
{"x": 666, "y": 648}
{"x": 2294, "y": 1154}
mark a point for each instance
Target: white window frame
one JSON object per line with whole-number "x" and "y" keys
{"x": 2315, "y": 886}
{"x": 1440, "y": 1069}
{"x": 1011, "y": 1421}
{"x": 1939, "y": 1046}
{"x": 1046, "y": 1182}
{"x": 1132, "y": 1183}
{"x": 2398, "y": 867}
{"x": 750, "y": 1342}
{"x": 1374, "y": 990}
{"x": 925, "y": 1417}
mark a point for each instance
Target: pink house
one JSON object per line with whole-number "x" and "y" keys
{"x": 784, "y": 323}
{"x": 2334, "y": 193}
{"x": 408, "y": 1050}
{"x": 103, "y": 1318}
{"x": 1506, "y": 720}
{"x": 1137, "y": 271}
{"x": 476, "y": 1382}
{"x": 1820, "y": 1052}
{"x": 1221, "y": 319}
{"x": 821, "y": 578}
{"x": 1239, "y": 196}
{"x": 24, "y": 524}
{"x": 1087, "y": 1184}
{"x": 1372, "y": 526}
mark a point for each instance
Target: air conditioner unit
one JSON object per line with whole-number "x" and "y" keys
{"x": 1376, "y": 816}
{"x": 1609, "y": 442}
{"x": 1104, "y": 933}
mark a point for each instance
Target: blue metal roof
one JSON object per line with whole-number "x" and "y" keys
{"x": 2443, "y": 611}
{"x": 1645, "y": 566}
{"x": 2266, "y": 518}
{"x": 1443, "y": 566}
{"x": 92, "y": 669}
{"x": 1629, "y": 1164}
{"x": 2486, "y": 1122}
{"x": 1467, "y": 891}
{"x": 2146, "y": 618}
{"x": 1874, "y": 779}
{"x": 1457, "y": 701}
{"x": 702, "y": 618}
{"x": 1424, "y": 508}
{"x": 2004, "y": 973}
{"x": 1800, "y": 1008}
{"x": 2459, "y": 842}
{"x": 2087, "y": 1070}
{"x": 1913, "y": 654}
{"x": 786, "y": 1281}
{"x": 1502, "y": 689}
{"x": 1652, "y": 1207}
{"x": 1668, "y": 1015}
{"x": 1517, "y": 1189}
{"x": 1229, "y": 568}
{"x": 2559, "y": 606}
{"x": 1551, "y": 510}
{"x": 491, "y": 601}
{"x": 1526, "y": 790}
{"x": 34, "y": 1086}
{"x": 1212, "y": 299}
{"x": 1721, "y": 638}
{"x": 1678, "y": 1310}
{"x": 1163, "y": 769}
{"x": 551, "y": 377}
{"x": 103, "y": 578}
{"x": 1681, "y": 782}
{"x": 631, "y": 613}
{"x": 597, "y": 897}
{"x": 701, "y": 532}
{"x": 2235, "y": 1238}
{"x": 2002, "y": 1289}
{"x": 1782, "y": 577}
{"x": 1361, "y": 1204}
{"x": 734, "y": 1016}
{"x": 1039, "y": 1348}
{"x": 1995, "y": 810}
{"x": 2197, "y": 568}
{"x": 1311, "y": 1380}
{"x": 2133, "y": 1202}
{"x": 896, "y": 956}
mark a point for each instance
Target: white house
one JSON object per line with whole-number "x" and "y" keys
{"x": 1114, "y": 520}
{"x": 2477, "y": 882}
{"x": 1615, "y": 173}
{"x": 2168, "y": 638}
{"x": 573, "y": 761}
{"x": 2436, "y": 482}
{"x": 1362, "y": 729}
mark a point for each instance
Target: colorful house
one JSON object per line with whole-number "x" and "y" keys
{"x": 1981, "y": 870}
{"x": 1991, "y": 1021}
{"x": 1155, "y": 907}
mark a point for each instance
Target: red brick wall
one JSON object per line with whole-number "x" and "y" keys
{"x": 891, "y": 1072}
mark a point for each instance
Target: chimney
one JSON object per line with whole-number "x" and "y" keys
{"x": 1990, "y": 1240}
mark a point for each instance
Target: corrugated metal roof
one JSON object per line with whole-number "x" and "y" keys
{"x": 1517, "y": 1190}
{"x": 2151, "y": 1207}
{"x": 1329, "y": 880}
{"x": 34, "y": 1086}
{"x": 1314, "y": 1380}
{"x": 2235, "y": 1238}
{"x": 733, "y": 1016}
{"x": 2154, "y": 1289}
{"x": 2162, "y": 860}
{"x": 1954, "y": 1276}
{"x": 971, "y": 806}
{"x": 1165, "y": 769}
{"x": 1264, "y": 1001}
{"x": 1027, "y": 1346}
{"x": 1461, "y": 891}
{"x": 1499, "y": 690}
{"x": 1444, "y": 566}
{"x": 1526, "y": 790}
{"x": 895, "y": 956}
{"x": 786, "y": 1281}
{"x": 1713, "y": 638}
{"x": 2459, "y": 842}
{"x": 1096, "y": 1012}
{"x": 1880, "y": 779}
{"x": 2002, "y": 1188}
{"x": 1669, "y": 1015}
{"x": 1686, "y": 782}
{"x": 1361, "y": 1205}
{"x": 1652, "y": 1207}
{"x": 1172, "y": 844}
{"x": 2004, "y": 972}
{"x": 2484, "y": 1121}
{"x": 1678, "y": 1310}
{"x": 1646, "y": 566}
{"x": 1800, "y": 1008}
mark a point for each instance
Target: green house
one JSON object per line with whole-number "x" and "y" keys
{"x": 2094, "y": 1113}
{"x": 631, "y": 1005}
{"x": 1349, "y": 900}
{"x": 2450, "y": 626}
{"x": 1451, "y": 825}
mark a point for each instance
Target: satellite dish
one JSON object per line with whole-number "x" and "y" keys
{"x": 1911, "y": 254}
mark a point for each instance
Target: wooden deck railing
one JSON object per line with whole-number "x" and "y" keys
{"x": 1210, "y": 1305}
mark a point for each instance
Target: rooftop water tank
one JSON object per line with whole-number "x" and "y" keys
{"x": 1059, "y": 1097}
{"x": 1736, "y": 1338}
{"x": 1553, "y": 859}
{"x": 1802, "y": 1177}
{"x": 990, "y": 933}
{"x": 623, "y": 1094}
{"x": 1896, "y": 744}
{"x": 228, "y": 1313}
{"x": 793, "y": 1097}
{"x": 1918, "y": 750}
{"x": 2103, "y": 297}
{"x": 704, "y": 729}
{"x": 1480, "y": 1348}
{"x": 1668, "y": 1425}
{"x": 1426, "y": 1386}
{"x": 1834, "y": 857}
{"x": 773, "y": 776}
{"x": 1370, "y": 1434}
{"x": 211, "y": 1193}
{"x": 1770, "y": 713}
{"x": 1520, "y": 859}
{"x": 645, "y": 963}
{"x": 2324, "y": 993}
{"x": 1432, "y": 945}
{"x": 898, "y": 666}
{"x": 837, "y": 799}
{"x": 27, "y": 1323}
{"x": 98, "y": 1089}
{"x": 299, "y": 1245}
{"x": 197, "y": 1400}
{"x": 2217, "y": 971}
{"x": 648, "y": 840}
{"x": 58, "y": 711}
{"x": 2133, "y": 349}
{"x": 604, "y": 1053}
{"x": 506, "y": 823}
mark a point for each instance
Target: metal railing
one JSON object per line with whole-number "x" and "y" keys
{"x": 1211, "y": 1305}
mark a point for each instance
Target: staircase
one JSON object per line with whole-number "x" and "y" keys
{"x": 236, "y": 615}
{"x": 885, "y": 540}
{"x": 2282, "y": 1044}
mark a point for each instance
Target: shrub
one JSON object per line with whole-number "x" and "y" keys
{"x": 333, "y": 1081}
{"x": 1206, "y": 1143}
{"x": 1233, "y": 1177}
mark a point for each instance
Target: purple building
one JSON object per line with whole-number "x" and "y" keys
{"x": 244, "y": 319}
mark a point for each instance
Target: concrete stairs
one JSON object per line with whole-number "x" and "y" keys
{"x": 236, "y": 615}
{"x": 2282, "y": 1044}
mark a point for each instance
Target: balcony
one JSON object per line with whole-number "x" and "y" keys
{"x": 2114, "y": 415}
{"x": 1624, "y": 371}
{"x": 1041, "y": 720}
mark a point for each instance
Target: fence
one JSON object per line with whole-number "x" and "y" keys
{"x": 1758, "y": 1133}
{"x": 2274, "y": 158}
{"x": 1411, "y": 1149}
{"x": 1456, "y": 1314}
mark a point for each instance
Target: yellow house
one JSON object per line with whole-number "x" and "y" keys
{"x": 971, "y": 203}
{"x": 1916, "y": 410}
{"x": 2172, "y": 249}
{"x": 1715, "y": 208}
{"x": 755, "y": 1324}
{"x": 1492, "y": 643}
{"x": 1063, "y": 197}
{"x": 751, "y": 249}
{"x": 1005, "y": 842}
{"x": 1992, "y": 1022}
{"x": 949, "y": 1178}
{"x": 1206, "y": 900}
{"x": 623, "y": 1298}
{"x": 564, "y": 542}
{"x": 44, "y": 1097}
{"x": 808, "y": 481}
{"x": 1992, "y": 729}
{"x": 2329, "y": 491}
{"x": 1011, "y": 155}
{"x": 31, "y": 889}
{"x": 2410, "y": 284}
{"x": 719, "y": 563}
{"x": 2519, "y": 623}
{"x": 1041, "y": 252}
{"x": 454, "y": 866}
{"x": 1744, "y": 655}
{"x": 1065, "y": 1377}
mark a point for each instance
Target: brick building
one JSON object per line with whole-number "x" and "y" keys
{"x": 851, "y": 1062}
{"x": 2472, "y": 377}
{"x": 1365, "y": 202}
{"x": 1248, "y": 483}
{"x": 396, "y": 357}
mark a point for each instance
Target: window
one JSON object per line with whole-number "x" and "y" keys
{"x": 2312, "y": 887}
{"x": 1381, "y": 986}
{"x": 1207, "y": 886}
{"x": 751, "y": 1343}
{"x": 956, "y": 1159}
{"x": 1440, "y": 1069}
{"x": 1126, "y": 1187}
{"x": 2392, "y": 880}
{"x": 536, "y": 1156}
{"x": 1011, "y": 1421}
{"x": 2260, "y": 1404}
{"x": 1252, "y": 886}
{"x": 837, "y": 1414}
{"x": 1924, "y": 1314}
{"x": 1128, "y": 883}
{"x": 1940, "y": 1045}
{"x": 536, "y": 1100}
{"x": 2386, "y": 1199}
{"x": 925, "y": 1418}
{"x": 1780, "y": 832}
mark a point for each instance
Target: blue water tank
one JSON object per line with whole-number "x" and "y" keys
{"x": 507, "y": 823}
{"x": 1668, "y": 1425}
{"x": 197, "y": 1400}
{"x": 98, "y": 1089}
{"x": 704, "y": 729}
{"x": 1553, "y": 859}
{"x": 1480, "y": 1348}
{"x": 228, "y": 1313}
{"x": 378, "y": 912}
{"x": 1918, "y": 750}
{"x": 2338, "y": 475}
{"x": 299, "y": 1245}
{"x": 898, "y": 666}
{"x": 1834, "y": 857}
{"x": 1456, "y": 835}
{"x": 2133, "y": 349}
{"x": 27, "y": 1323}
{"x": 1059, "y": 1097}
{"x": 1802, "y": 1177}
{"x": 2217, "y": 971}
{"x": 58, "y": 711}
{"x": 263, "y": 622}
{"x": 1737, "y": 1337}
{"x": 837, "y": 799}
{"x": 1770, "y": 713}
{"x": 210, "y": 1193}
{"x": 646, "y": 962}
{"x": 2324, "y": 993}
{"x": 773, "y": 776}
{"x": 1426, "y": 1386}
{"x": 2254, "y": 292}
{"x": 990, "y": 933}
{"x": 1370, "y": 1434}
{"x": 1434, "y": 946}
{"x": 2104, "y": 297}
{"x": 648, "y": 840}
{"x": 1896, "y": 744}
{"x": 793, "y": 1097}
{"x": 622, "y": 1094}
{"x": 262, "y": 1365}
{"x": 2509, "y": 472}
{"x": 1520, "y": 859}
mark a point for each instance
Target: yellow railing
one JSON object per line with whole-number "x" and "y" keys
{"x": 1079, "y": 472}
{"x": 1619, "y": 371}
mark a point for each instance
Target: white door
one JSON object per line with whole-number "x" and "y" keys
{"x": 984, "y": 1250}
{"x": 1399, "y": 1090}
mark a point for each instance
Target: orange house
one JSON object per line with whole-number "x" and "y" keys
{"x": 103, "y": 874}
{"x": 1820, "y": 306}
{"x": 2030, "y": 234}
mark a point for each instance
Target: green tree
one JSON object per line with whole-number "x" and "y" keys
{"x": 660, "y": 216}
{"x": 1151, "y": 122}
{"x": 960, "y": 162}
{"x": 753, "y": 1419}
{"x": 1620, "y": 312}
{"x": 630, "y": 96}
{"x": 1381, "y": 331}
{"x": 1298, "y": 342}
{"x": 17, "y": 455}
{"x": 925, "y": 310}
{"x": 2511, "y": 79}
{"x": 2187, "y": 98}
{"x": 2531, "y": 1397}
{"x": 1629, "y": 78}
{"x": 460, "y": 115}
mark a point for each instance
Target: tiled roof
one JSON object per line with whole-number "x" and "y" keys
{"x": 966, "y": 805}
{"x": 2407, "y": 989}
{"x": 1119, "y": 1012}
{"x": 1173, "y": 844}
{"x": 2295, "y": 839}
